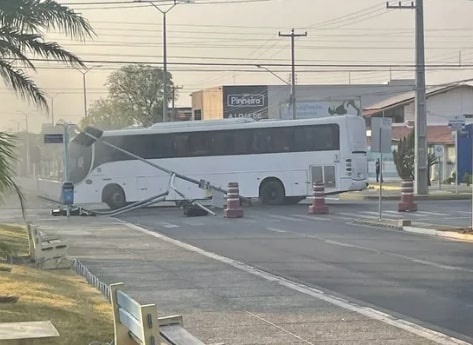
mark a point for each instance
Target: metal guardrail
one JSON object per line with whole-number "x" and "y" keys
{"x": 91, "y": 278}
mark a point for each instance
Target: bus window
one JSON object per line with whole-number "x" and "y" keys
{"x": 241, "y": 142}
{"x": 281, "y": 140}
{"x": 181, "y": 145}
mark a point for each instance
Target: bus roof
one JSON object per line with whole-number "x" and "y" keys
{"x": 224, "y": 124}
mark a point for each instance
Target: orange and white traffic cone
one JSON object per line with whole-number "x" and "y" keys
{"x": 233, "y": 208}
{"x": 318, "y": 204}
{"x": 407, "y": 196}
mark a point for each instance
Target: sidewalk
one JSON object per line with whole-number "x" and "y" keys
{"x": 223, "y": 301}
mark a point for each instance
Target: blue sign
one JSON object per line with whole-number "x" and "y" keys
{"x": 53, "y": 138}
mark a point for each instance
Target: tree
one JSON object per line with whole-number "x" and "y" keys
{"x": 23, "y": 25}
{"x": 404, "y": 157}
{"x": 106, "y": 114}
{"x": 136, "y": 92}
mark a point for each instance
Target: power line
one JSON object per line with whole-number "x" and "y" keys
{"x": 90, "y": 61}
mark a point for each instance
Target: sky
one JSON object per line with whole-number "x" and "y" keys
{"x": 221, "y": 42}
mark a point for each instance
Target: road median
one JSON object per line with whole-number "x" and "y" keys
{"x": 459, "y": 233}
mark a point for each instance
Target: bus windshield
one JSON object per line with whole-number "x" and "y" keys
{"x": 80, "y": 160}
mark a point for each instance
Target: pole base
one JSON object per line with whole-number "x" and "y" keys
{"x": 317, "y": 209}
{"x": 238, "y": 213}
{"x": 407, "y": 207}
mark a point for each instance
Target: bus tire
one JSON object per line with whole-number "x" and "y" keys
{"x": 272, "y": 192}
{"x": 114, "y": 196}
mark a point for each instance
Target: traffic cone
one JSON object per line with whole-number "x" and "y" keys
{"x": 407, "y": 196}
{"x": 318, "y": 204}
{"x": 233, "y": 208}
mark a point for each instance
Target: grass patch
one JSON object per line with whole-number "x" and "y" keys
{"x": 78, "y": 311}
{"x": 13, "y": 240}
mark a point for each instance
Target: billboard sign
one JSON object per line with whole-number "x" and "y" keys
{"x": 318, "y": 109}
{"x": 245, "y": 101}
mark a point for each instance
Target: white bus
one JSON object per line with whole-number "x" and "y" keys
{"x": 274, "y": 160}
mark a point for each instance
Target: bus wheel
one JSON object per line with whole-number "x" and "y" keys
{"x": 272, "y": 192}
{"x": 114, "y": 196}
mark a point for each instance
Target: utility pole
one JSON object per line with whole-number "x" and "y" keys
{"x": 173, "y": 99}
{"x": 421, "y": 166}
{"x": 293, "y": 35}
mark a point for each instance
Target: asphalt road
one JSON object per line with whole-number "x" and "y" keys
{"x": 426, "y": 280}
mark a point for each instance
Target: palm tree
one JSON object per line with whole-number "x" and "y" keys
{"x": 23, "y": 25}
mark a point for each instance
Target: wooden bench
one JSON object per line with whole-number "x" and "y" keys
{"x": 48, "y": 252}
{"x": 25, "y": 333}
{"x": 139, "y": 324}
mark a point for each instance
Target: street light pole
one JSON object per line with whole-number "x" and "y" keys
{"x": 84, "y": 85}
{"x": 27, "y": 143}
{"x": 165, "y": 62}
{"x": 66, "y": 158}
{"x": 277, "y": 76}
{"x": 281, "y": 79}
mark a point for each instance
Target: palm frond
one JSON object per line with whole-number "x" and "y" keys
{"x": 53, "y": 50}
{"x": 18, "y": 14}
{"x": 22, "y": 84}
{"x": 7, "y": 157}
{"x": 11, "y": 47}
{"x": 31, "y": 15}
{"x": 57, "y": 16}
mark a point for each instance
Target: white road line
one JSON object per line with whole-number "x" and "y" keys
{"x": 432, "y": 213}
{"x": 349, "y": 215}
{"x": 394, "y": 214}
{"x": 419, "y": 261}
{"x": 366, "y": 311}
{"x": 373, "y": 213}
{"x": 276, "y": 230}
{"x": 464, "y": 212}
{"x": 168, "y": 225}
{"x": 313, "y": 217}
{"x": 192, "y": 223}
{"x": 285, "y": 218}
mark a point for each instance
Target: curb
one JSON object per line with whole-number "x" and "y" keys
{"x": 375, "y": 222}
{"x": 416, "y": 197}
{"x": 439, "y": 233}
{"x": 415, "y": 230}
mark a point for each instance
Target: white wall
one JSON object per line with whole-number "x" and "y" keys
{"x": 444, "y": 106}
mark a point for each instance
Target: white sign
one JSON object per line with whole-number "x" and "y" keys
{"x": 318, "y": 109}
{"x": 457, "y": 123}
{"x": 438, "y": 150}
{"x": 245, "y": 100}
{"x": 381, "y": 134}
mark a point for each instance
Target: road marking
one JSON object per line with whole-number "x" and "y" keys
{"x": 433, "y": 213}
{"x": 276, "y": 230}
{"x": 285, "y": 218}
{"x": 168, "y": 225}
{"x": 279, "y": 327}
{"x": 193, "y": 223}
{"x": 391, "y": 214}
{"x": 347, "y": 215}
{"x": 307, "y": 290}
{"x": 394, "y": 214}
{"x": 314, "y": 217}
{"x": 419, "y": 261}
